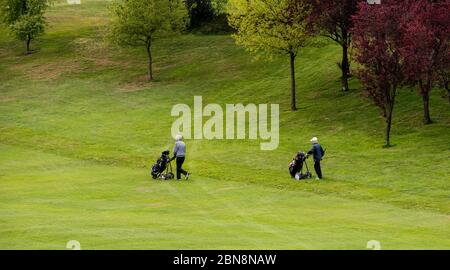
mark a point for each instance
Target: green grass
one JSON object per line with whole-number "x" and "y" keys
{"x": 79, "y": 129}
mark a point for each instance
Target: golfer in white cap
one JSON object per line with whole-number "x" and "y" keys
{"x": 179, "y": 151}
{"x": 318, "y": 153}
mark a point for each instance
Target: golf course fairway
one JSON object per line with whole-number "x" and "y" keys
{"x": 80, "y": 128}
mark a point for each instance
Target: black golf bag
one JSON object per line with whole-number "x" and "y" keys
{"x": 163, "y": 168}
{"x": 296, "y": 167}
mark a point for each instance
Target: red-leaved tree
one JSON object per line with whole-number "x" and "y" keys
{"x": 333, "y": 19}
{"x": 426, "y": 46}
{"x": 377, "y": 34}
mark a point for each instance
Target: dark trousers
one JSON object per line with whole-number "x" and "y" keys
{"x": 318, "y": 169}
{"x": 180, "y": 161}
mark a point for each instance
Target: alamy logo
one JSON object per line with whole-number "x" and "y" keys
{"x": 234, "y": 126}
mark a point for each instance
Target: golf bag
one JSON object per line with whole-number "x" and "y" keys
{"x": 163, "y": 168}
{"x": 296, "y": 167}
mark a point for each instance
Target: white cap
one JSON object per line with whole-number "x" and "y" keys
{"x": 179, "y": 137}
{"x": 314, "y": 140}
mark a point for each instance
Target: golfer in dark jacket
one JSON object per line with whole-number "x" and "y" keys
{"x": 179, "y": 152}
{"x": 318, "y": 153}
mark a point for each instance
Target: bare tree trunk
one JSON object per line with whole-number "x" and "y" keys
{"x": 389, "y": 114}
{"x": 28, "y": 44}
{"x": 426, "y": 108}
{"x": 425, "y": 92}
{"x": 389, "y": 111}
{"x": 293, "y": 102}
{"x": 150, "y": 60}
{"x": 388, "y": 130}
{"x": 345, "y": 66}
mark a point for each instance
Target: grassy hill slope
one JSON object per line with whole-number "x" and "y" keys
{"x": 80, "y": 127}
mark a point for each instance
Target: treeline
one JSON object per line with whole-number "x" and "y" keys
{"x": 208, "y": 16}
{"x": 398, "y": 44}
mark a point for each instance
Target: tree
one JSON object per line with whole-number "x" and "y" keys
{"x": 271, "y": 26}
{"x": 141, "y": 22}
{"x": 219, "y": 6}
{"x": 426, "y": 46}
{"x": 208, "y": 16}
{"x": 24, "y": 18}
{"x": 377, "y": 34}
{"x": 333, "y": 18}
{"x": 200, "y": 12}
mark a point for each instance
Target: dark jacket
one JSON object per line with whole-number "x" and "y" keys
{"x": 317, "y": 152}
